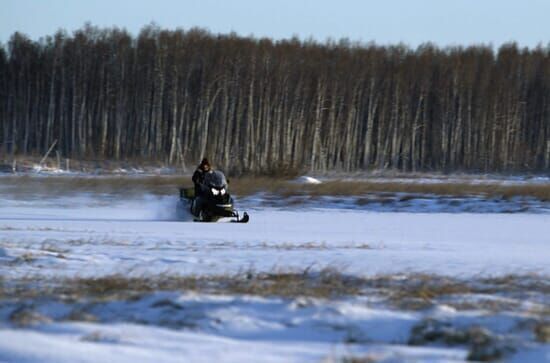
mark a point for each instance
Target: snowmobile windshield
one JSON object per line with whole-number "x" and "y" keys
{"x": 215, "y": 179}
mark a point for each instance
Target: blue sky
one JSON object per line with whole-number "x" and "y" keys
{"x": 444, "y": 22}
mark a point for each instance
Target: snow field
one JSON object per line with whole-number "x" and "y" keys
{"x": 51, "y": 239}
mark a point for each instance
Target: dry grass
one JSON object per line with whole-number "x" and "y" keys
{"x": 29, "y": 186}
{"x": 419, "y": 291}
{"x": 292, "y": 246}
{"x": 357, "y": 188}
{"x": 542, "y": 331}
{"x": 81, "y": 315}
{"x": 25, "y": 316}
{"x": 325, "y": 284}
{"x": 365, "y": 359}
{"x": 168, "y": 184}
{"x": 409, "y": 292}
{"x": 483, "y": 346}
{"x": 99, "y": 337}
{"x": 24, "y": 258}
{"x": 515, "y": 283}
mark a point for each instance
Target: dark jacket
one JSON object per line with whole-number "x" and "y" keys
{"x": 198, "y": 179}
{"x": 198, "y": 176}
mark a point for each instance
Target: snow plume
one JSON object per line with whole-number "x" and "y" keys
{"x": 149, "y": 207}
{"x": 86, "y": 207}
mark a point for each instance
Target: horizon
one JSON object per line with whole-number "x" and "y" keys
{"x": 467, "y": 23}
{"x": 325, "y": 43}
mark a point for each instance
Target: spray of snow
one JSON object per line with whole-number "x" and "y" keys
{"x": 100, "y": 208}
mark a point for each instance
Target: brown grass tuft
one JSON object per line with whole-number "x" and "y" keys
{"x": 25, "y": 316}
{"x": 542, "y": 331}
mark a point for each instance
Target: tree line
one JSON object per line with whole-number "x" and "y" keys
{"x": 257, "y": 105}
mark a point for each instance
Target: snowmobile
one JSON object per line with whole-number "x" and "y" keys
{"x": 212, "y": 202}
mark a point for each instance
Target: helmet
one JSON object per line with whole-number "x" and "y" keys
{"x": 205, "y": 165}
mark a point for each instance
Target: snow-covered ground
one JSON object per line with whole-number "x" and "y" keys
{"x": 142, "y": 237}
{"x": 44, "y": 238}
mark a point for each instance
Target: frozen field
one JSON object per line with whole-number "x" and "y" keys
{"x": 485, "y": 280}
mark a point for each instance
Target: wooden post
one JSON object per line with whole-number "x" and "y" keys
{"x": 48, "y": 152}
{"x": 58, "y": 159}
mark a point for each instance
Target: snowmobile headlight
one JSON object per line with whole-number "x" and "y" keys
{"x": 222, "y": 191}
{"x": 215, "y": 191}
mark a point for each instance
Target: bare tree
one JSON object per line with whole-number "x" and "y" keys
{"x": 255, "y": 105}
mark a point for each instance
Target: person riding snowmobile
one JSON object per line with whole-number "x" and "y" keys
{"x": 198, "y": 176}
{"x": 211, "y": 199}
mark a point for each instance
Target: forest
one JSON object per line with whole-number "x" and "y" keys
{"x": 255, "y": 105}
